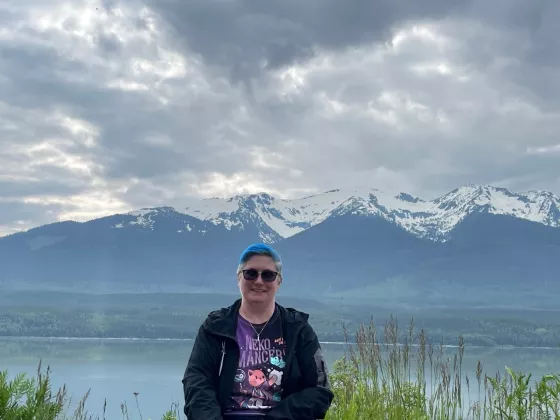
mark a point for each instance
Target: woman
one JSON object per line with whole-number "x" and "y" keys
{"x": 257, "y": 359}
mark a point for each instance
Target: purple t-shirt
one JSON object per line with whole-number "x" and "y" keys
{"x": 258, "y": 382}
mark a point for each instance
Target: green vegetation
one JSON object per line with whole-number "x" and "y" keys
{"x": 393, "y": 379}
{"x": 25, "y": 398}
{"x": 369, "y": 384}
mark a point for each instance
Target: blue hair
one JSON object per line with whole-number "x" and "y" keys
{"x": 260, "y": 249}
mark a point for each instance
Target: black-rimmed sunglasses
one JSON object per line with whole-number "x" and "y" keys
{"x": 267, "y": 275}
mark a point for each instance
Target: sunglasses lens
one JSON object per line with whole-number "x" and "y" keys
{"x": 250, "y": 274}
{"x": 268, "y": 275}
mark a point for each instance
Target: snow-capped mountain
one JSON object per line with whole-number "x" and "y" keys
{"x": 467, "y": 244}
{"x": 277, "y": 219}
{"x": 244, "y": 218}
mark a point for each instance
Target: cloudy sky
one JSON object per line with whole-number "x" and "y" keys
{"x": 108, "y": 106}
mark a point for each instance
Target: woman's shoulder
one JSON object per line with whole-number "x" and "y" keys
{"x": 293, "y": 315}
{"x": 298, "y": 320}
{"x": 222, "y": 320}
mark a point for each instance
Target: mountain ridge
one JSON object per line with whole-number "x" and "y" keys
{"x": 279, "y": 219}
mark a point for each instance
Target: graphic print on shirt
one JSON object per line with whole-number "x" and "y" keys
{"x": 258, "y": 381}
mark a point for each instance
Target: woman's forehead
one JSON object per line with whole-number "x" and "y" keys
{"x": 260, "y": 261}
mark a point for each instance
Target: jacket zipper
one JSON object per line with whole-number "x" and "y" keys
{"x": 222, "y": 360}
{"x": 221, "y": 391}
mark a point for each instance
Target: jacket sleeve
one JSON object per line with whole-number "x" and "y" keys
{"x": 200, "y": 381}
{"x": 314, "y": 400}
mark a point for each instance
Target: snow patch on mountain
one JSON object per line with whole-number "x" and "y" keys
{"x": 145, "y": 217}
{"x": 431, "y": 219}
{"x": 536, "y": 206}
{"x": 155, "y": 218}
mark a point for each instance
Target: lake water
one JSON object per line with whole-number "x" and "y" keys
{"x": 115, "y": 369}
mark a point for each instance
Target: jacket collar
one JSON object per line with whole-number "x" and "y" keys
{"x": 223, "y": 321}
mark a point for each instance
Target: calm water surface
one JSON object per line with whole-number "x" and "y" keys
{"x": 115, "y": 369}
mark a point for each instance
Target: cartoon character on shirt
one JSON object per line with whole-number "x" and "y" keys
{"x": 260, "y": 392}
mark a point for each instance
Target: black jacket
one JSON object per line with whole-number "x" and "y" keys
{"x": 209, "y": 376}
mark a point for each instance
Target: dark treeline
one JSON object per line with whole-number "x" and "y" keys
{"x": 160, "y": 316}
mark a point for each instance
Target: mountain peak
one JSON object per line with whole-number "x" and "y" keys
{"x": 153, "y": 210}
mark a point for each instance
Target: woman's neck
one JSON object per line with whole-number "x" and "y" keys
{"x": 257, "y": 314}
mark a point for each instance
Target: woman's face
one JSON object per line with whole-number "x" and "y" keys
{"x": 259, "y": 291}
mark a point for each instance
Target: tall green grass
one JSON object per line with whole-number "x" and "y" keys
{"x": 24, "y": 398}
{"x": 402, "y": 376}
{"x": 405, "y": 377}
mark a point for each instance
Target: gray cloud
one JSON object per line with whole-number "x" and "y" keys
{"x": 109, "y": 105}
{"x": 240, "y": 35}
{"x": 26, "y": 214}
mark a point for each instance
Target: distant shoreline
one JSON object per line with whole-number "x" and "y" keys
{"x": 142, "y": 339}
